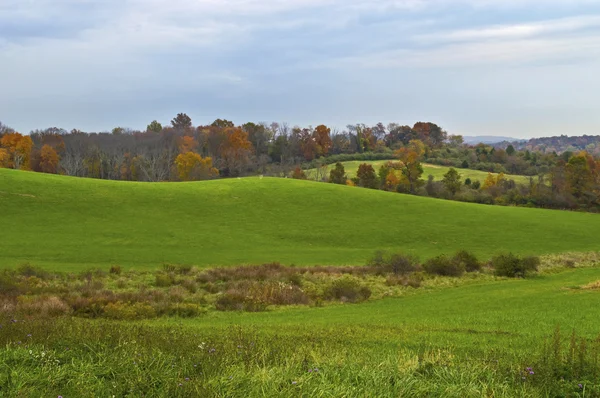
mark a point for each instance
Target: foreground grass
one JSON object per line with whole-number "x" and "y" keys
{"x": 428, "y": 169}
{"x": 481, "y": 339}
{"x": 68, "y": 223}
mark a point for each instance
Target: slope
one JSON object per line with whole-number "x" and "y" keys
{"x": 72, "y": 223}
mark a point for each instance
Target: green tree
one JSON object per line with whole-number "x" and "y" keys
{"x": 366, "y": 176}
{"x": 155, "y": 127}
{"x": 510, "y": 150}
{"x": 452, "y": 181}
{"x": 338, "y": 174}
{"x": 579, "y": 175}
{"x": 181, "y": 122}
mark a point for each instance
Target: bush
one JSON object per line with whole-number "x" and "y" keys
{"x": 398, "y": 264}
{"x": 442, "y": 265}
{"x": 467, "y": 260}
{"x": 126, "y": 311}
{"x": 115, "y": 270}
{"x": 29, "y": 270}
{"x": 163, "y": 280}
{"x": 238, "y": 301}
{"x": 186, "y": 310}
{"x": 512, "y": 266}
{"x": 347, "y": 289}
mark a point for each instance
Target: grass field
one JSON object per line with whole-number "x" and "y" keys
{"x": 449, "y": 338}
{"x": 70, "y": 223}
{"x": 428, "y": 169}
{"x": 467, "y": 341}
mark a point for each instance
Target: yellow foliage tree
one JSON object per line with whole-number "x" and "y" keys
{"x": 19, "y": 149}
{"x": 191, "y": 167}
{"x": 391, "y": 181}
{"x": 4, "y": 158}
{"x": 490, "y": 181}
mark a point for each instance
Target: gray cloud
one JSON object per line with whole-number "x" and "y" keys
{"x": 98, "y": 63}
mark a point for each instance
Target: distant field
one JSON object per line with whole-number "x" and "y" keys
{"x": 428, "y": 169}
{"x": 70, "y": 223}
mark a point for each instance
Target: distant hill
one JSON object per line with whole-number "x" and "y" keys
{"x": 558, "y": 144}
{"x": 488, "y": 139}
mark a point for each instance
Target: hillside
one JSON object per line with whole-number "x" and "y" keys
{"x": 428, "y": 169}
{"x": 74, "y": 223}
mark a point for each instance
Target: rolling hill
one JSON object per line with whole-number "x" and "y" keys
{"x": 71, "y": 223}
{"x": 436, "y": 171}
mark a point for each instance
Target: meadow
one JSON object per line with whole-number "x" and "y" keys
{"x": 73, "y": 224}
{"x": 428, "y": 169}
{"x": 116, "y": 289}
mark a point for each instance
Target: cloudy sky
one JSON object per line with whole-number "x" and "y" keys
{"x": 521, "y": 68}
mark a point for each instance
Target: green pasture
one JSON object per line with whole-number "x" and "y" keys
{"x": 428, "y": 169}
{"x": 72, "y": 224}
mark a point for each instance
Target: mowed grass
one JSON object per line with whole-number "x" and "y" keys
{"x": 428, "y": 169}
{"x": 71, "y": 224}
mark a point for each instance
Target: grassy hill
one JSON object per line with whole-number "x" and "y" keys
{"x": 72, "y": 223}
{"x": 428, "y": 169}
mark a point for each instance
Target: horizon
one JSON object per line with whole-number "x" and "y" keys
{"x": 520, "y": 69}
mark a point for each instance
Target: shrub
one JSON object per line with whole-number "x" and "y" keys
{"x": 184, "y": 269}
{"x": 29, "y": 270}
{"x": 347, "y": 289}
{"x": 115, "y": 270}
{"x": 512, "y": 266}
{"x": 163, "y": 280}
{"x": 398, "y": 264}
{"x": 467, "y": 260}
{"x": 190, "y": 285}
{"x": 442, "y": 265}
{"x": 238, "y": 301}
{"x": 42, "y": 306}
{"x": 126, "y": 311}
{"x": 186, "y": 310}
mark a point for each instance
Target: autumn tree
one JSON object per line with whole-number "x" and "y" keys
{"x": 410, "y": 163}
{"x": 187, "y": 144}
{"x": 452, "y": 181}
{"x": 430, "y": 133}
{"x": 154, "y": 127}
{"x": 338, "y": 174}
{"x": 19, "y": 149}
{"x": 236, "y": 150}
{"x": 299, "y": 174}
{"x": 192, "y": 167}
{"x": 490, "y": 181}
{"x": 49, "y": 160}
{"x": 4, "y": 158}
{"x": 181, "y": 122}
{"x": 322, "y": 140}
{"x": 366, "y": 176}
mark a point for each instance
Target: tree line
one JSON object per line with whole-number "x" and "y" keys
{"x": 184, "y": 152}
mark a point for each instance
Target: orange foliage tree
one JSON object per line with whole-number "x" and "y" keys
{"x": 187, "y": 144}
{"x": 19, "y": 149}
{"x": 236, "y": 150}
{"x": 191, "y": 167}
{"x": 49, "y": 160}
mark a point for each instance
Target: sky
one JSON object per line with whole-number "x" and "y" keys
{"x": 519, "y": 68}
